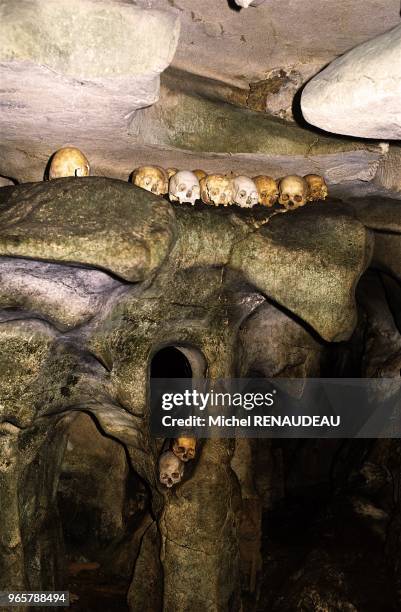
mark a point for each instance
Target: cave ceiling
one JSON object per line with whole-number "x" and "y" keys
{"x": 173, "y": 83}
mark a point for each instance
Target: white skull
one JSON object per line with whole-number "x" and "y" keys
{"x": 293, "y": 192}
{"x": 245, "y": 192}
{"x": 246, "y": 3}
{"x": 184, "y": 187}
{"x": 171, "y": 469}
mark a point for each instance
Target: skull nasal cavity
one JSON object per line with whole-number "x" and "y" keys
{"x": 170, "y": 362}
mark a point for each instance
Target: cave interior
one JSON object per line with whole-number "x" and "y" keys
{"x": 106, "y": 285}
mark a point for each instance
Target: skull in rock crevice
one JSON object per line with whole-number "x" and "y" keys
{"x": 245, "y": 192}
{"x": 184, "y": 448}
{"x": 184, "y": 187}
{"x": 171, "y": 469}
{"x": 267, "y": 189}
{"x": 217, "y": 190}
{"x": 68, "y": 161}
{"x": 293, "y": 192}
{"x": 151, "y": 178}
{"x": 317, "y": 188}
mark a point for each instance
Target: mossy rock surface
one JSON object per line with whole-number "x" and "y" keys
{"x": 92, "y": 221}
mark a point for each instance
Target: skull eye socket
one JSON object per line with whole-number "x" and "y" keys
{"x": 181, "y": 187}
{"x": 298, "y": 198}
{"x": 147, "y": 181}
{"x": 242, "y": 193}
{"x": 175, "y": 475}
{"x": 285, "y": 197}
{"x": 181, "y": 449}
{"x": 264, "y": 194}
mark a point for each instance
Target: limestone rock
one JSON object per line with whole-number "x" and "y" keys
{"x": 6, "y": 182}
{"x": 25, "y": 346}
{"x": 310, "y": 262}
{"x": 358, "y": 94}
{"x": 273, "y": 345}
{"x": 66, "y": 296}
{"x": 73, "y": 73}
{"x": 135, "y": 42}
{"x": 378, "y": 212}
{"x": 382, "y": 353}
{"x": 88, "y": 221}
{"x": 388, "y": 172}
{"x": 111, "y": 225}
{"x": 387, "y": 253}
{"x": 221, "y": 43}
{"x": 199, "y": 125}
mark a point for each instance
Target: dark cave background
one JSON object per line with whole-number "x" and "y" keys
{"x": 322, "y": 527}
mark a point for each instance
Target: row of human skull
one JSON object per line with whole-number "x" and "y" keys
{"x": 172, "y": 462}
{"x": 185, "y": 186}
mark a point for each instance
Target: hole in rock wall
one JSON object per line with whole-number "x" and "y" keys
{"x": 102, "y": 503}
{"x": 170, "y": 362}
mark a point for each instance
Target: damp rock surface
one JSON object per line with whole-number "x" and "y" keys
{"x": 91, "y": 222}
{"x": 308, "y": 260}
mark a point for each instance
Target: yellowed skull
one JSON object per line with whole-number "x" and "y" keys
{"x": 68, "y": 161}
{"x": 184, "y": 448}
{"x": 200, "y": 174}
{"x": 217, "y": 190}
{"x": 317, "y": 188}
{"x": 267, "y": 190}
{"x": 171, "y": 172}
{"x": 293, "y": 192}
{"x": 151, "y": 178}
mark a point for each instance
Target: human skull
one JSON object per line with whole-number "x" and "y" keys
{"x": 68, "y": 161}
{"x": 151, "y": 178}
{"x": 171, "y": 469}
{"x": 171, "y": 172}
{"x": 200, "y": 174}
{"x": 245, "y": 192}
{"x": 217, "y": 189}
{"x": 184, "y": 187}
{"x": 267, "y": 189}
{"x": 293, "y": 192}
{"x": 184, "y": 448}
{"x": 317, "y": 187}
